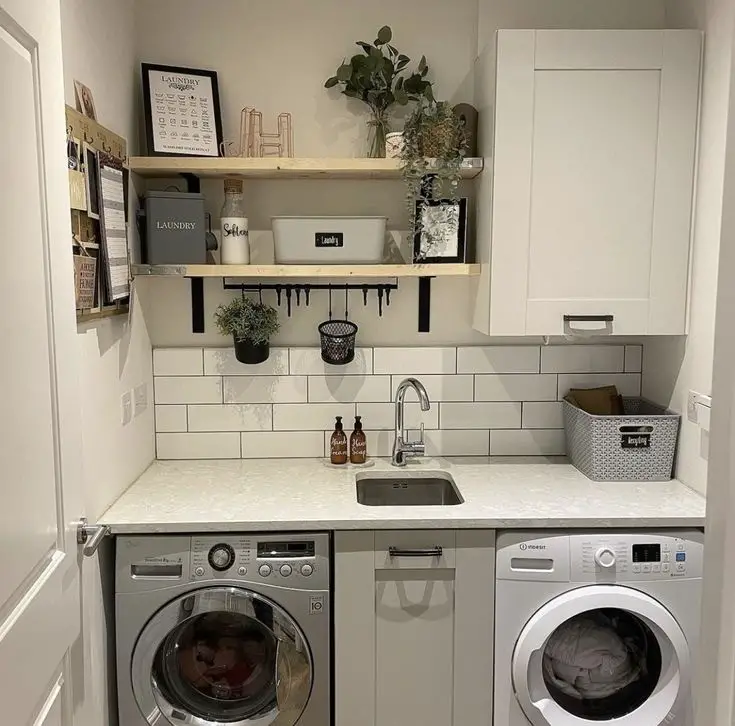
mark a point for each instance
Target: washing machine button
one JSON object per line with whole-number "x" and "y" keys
{"x": 306, "y": 569}
{"x": 285, "y": 570}
{"x": 265, "y": 570}
{"x": 242, "y": 571}
{"x": 199, "y": 571}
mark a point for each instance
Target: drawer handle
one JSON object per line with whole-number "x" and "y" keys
{"x": 420, "y": 552}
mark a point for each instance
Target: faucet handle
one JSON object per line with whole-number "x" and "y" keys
{"x": 421, "y": 434}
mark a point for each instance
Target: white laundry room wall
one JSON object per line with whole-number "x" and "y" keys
{"x": 114, "y": 354}
{"x": 674, "y": 366}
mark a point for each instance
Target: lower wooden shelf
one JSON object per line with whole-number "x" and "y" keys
{"x": 108, "y": 311}
{"x": 307, "y": 271}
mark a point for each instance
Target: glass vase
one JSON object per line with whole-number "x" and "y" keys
{"x": 377, "y": 130}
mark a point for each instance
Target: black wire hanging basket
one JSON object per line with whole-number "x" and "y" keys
{"x": 338, "y": 337}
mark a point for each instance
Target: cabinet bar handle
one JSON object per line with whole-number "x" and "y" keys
{"x": 588, "y": 318}
{"x": 421, "y": 552}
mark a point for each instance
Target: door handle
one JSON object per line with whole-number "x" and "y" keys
{"x": 91, "y": 536}
{"x": 420, "y": 552}
{"x": 607, "y": 320}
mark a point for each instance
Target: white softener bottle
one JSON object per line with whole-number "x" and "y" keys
{"x": 235, "y": 244}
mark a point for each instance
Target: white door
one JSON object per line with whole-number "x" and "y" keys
{"x": 40, "y": 456}
{"x": 593, "y": 176}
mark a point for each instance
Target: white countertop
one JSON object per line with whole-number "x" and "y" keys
{"x": 307, "y": 494}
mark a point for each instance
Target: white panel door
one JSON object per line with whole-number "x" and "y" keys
{"x": 593, "y": 178}
{"x": 39, "y": 429}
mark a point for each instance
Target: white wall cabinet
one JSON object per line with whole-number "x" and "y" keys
{"x": 593, "y": 172}
{"x": 414, "y": 635}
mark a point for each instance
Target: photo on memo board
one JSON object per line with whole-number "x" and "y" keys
{"x": 182, "y": 111}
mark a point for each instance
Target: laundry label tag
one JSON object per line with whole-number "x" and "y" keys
{"x": 329, "y": 239}
{"x": 635, "y": 441}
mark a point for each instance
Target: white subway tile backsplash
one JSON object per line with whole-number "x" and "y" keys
{"x": 583, "y": 359}
{"x": 170, "y": 419}
{"x": 198, "y": 446}
{"x": 282, "y": 445}
{"x": 308, "y": 362}
{"x": 414, "y": 361}
{"x": 349, "y": 389}
{"x": 187, "y": 389}
{"x": 498, "y": 359}
{"x": 629, "y": 384}
{"x": 479, "y": 415}
{"x": 312, "y": 416}
{"x": 222, "y": 362}
{"x": 503, "y": 399}
{"x": 381, "y": 416}
{"x": 516, "y": 387}
{"x": 527, "y": 442}
{"x": 177, "y": 362}
{"x": 544, "y": 415}
{"x": 231, "y": 417}
{"x": 265, "y": 389}
{"x": 442, "y": 388}
{"x": 633, "y": 358}
{"x": 456, "y": 443}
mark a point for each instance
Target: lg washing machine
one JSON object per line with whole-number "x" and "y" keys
{"x": 596, "y": 628}
{"x": 223, "y": 629}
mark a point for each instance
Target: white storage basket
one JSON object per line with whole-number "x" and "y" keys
{"x": 638, "y": 446}
{"x": 329, "y": 240}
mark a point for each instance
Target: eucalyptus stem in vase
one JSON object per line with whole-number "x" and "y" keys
{"x": 378, "y": 77}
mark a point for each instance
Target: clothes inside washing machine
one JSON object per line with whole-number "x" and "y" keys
{"x": 219, "y": 666}
{"x": 602, "y": 664}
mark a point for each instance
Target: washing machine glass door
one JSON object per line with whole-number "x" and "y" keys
{"x": 221, "y": 655}
{"x": 603, "y": 653}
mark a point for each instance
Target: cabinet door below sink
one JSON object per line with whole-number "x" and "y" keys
{"x": 413, "y": 644}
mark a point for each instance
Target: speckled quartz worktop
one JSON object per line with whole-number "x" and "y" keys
{"x": 306, "y": 494}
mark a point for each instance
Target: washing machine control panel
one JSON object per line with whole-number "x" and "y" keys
{"x": 287, "y": 561}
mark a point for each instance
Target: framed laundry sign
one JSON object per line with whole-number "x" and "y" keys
{"x": 182, "y": 111}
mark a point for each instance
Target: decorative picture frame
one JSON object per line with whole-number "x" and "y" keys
{"x": 182, "y": 111}
{"x": 84, "y": 100}
{"x": 441, "y": 231}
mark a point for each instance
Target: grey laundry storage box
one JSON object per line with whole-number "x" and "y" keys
{"x": 638, "y": 446}
{"x": 175, "y": 228}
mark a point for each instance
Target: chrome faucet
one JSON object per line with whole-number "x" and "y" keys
{"x": 401, "y": 447}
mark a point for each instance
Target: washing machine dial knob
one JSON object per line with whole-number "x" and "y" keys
{"x": 221, "y": 557}
{"x": 605, "y": 557}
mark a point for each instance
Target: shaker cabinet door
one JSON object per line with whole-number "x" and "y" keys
{"x": 593, "y": 177}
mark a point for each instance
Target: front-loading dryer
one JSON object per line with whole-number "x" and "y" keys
{"x": 223, "y": 629}
{"x": 596, "y": 628}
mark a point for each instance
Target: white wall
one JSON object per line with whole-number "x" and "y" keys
{"x": 115, "y": 354}
{"x": 277, "y": 59}
{"x": 675, "y": 366}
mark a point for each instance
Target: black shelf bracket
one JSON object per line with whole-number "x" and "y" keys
{"x": 424, "y": 304}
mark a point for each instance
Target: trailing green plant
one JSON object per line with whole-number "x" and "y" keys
{"x": 434, "y": 146}
{"x": 379, "y": 77}
{"x": 244, "y": 319}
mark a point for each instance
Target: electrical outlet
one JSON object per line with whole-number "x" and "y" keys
{"x": 126, "y": 404}
{"x": 140, "y": 399}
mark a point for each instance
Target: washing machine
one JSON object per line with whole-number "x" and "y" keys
{"x": 596, "y": 628}
{"x": 223, "y": 629}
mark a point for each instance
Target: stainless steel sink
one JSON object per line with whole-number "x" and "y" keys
{"x": 433, "y": 489}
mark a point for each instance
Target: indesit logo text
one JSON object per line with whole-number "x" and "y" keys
{"x": 526, "y": 546}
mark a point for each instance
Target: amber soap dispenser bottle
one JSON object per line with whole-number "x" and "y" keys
{"x": 358, "y": 444}
{"x": 338, "y": 444}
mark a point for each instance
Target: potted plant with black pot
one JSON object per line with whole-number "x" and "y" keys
{"x": 251, "y": 325}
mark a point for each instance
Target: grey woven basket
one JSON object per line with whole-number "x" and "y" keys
{"x": 638, "y": 446}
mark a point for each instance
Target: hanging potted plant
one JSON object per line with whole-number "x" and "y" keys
{"x": 378, "y": 77}
{"x": 251, "y": 325}
{"x": 434, "y": 146}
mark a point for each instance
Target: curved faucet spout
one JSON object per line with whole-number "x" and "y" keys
{"x": 402, "y": 447}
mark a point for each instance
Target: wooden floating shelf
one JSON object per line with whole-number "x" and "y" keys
{"x": 306, "y": 271}
{"x": 108, "y": 311}
{"x": 279, "y": 168}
